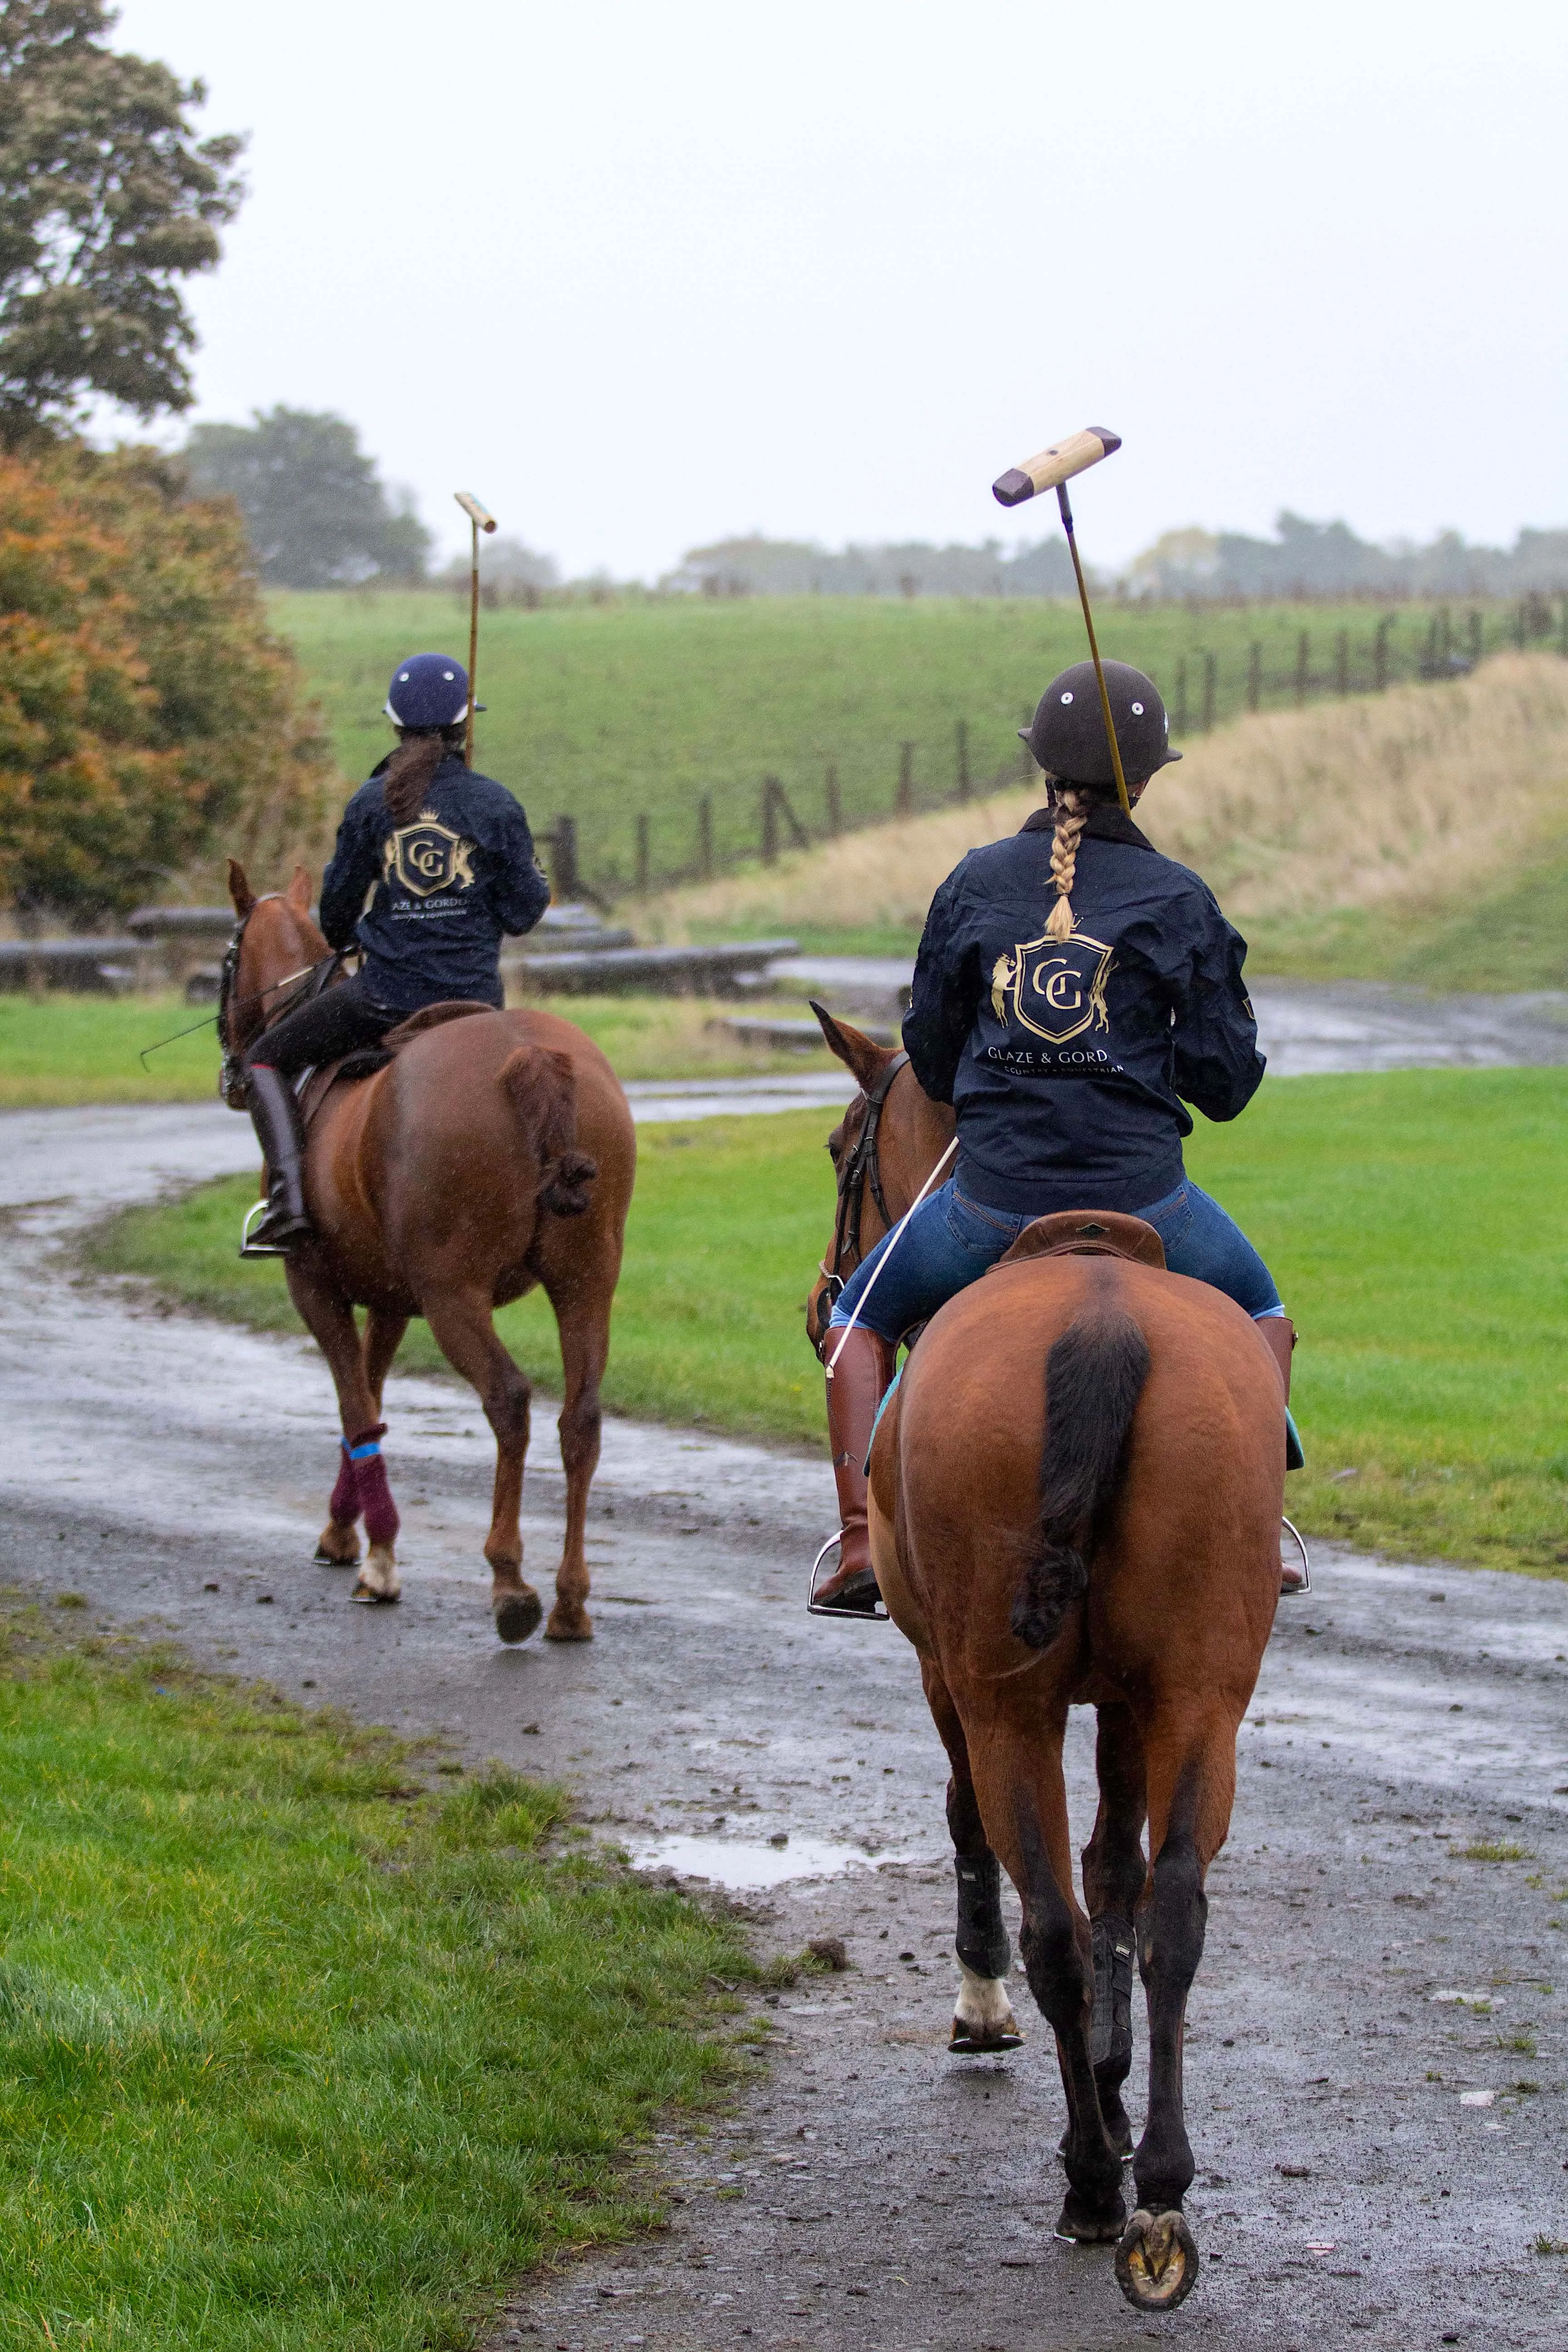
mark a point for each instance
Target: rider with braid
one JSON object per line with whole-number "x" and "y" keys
{"x": 1075, "y": 990}
{"x": 444, "y": 857}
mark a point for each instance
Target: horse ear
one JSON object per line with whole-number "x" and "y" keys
{"x": 299, "y": 891}
{"x": 239, "y": 889}
{"x": 861, "y": 1054}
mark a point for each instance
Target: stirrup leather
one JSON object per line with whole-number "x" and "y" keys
{"x": 814, "y": 1608}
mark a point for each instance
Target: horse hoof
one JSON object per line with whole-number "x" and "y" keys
{"x": 980, "y": 2041}
{"x": 327, "y": 1558}
{"x": 1083, "y": 2225}
{"x": 517, "y": 1615}
{"x": 569, "y": 1625}
{"x": 1157, "y": 2261}
{"x": 378, "y": 1580}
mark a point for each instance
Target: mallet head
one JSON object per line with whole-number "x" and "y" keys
{"x": 1054, "y": 466}
{"x": 475, "y": 512}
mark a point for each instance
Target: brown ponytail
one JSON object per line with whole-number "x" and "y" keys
{"x": 1072, "y": 814}
{"x": 406, "y": 778}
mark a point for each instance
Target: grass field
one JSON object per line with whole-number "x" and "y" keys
{"x": 626, "y": 709}
{"x": 1414, "y": 1221}
{"x": 298, "y": 2057}
{"x": 61, "y": 1049}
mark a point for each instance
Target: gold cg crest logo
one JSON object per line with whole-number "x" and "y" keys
{"x": 427, "y": 857}
{"x": 1055, "y": 987}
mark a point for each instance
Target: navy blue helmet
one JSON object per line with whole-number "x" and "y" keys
{"x": 428, "y": 690}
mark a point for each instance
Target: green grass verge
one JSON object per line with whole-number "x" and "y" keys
{"x": 296, "y": 2056}
{"x": 1413, "y": 1222}
{"x": 58, "y": 1049}
{"x": 632, "y": 708}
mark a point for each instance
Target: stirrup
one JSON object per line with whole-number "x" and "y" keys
{"x": 816, "y": 1608}
{"x": 1306, "y": 1584}
{"x": 247, "y": 1248}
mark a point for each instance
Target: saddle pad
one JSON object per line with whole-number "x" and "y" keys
{"x": 1088, "y": 1232}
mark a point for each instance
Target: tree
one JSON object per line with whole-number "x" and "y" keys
{"x": 316, "y": 514}
{"x": 147, "y": 715}
{"x": 107, "y": 200}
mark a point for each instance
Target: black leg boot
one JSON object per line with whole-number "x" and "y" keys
{"x": 275, "y": 1115}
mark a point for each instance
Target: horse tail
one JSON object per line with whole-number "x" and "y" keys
{"x": 542, "y": 1086}
{"x": 1094, "y": 1377}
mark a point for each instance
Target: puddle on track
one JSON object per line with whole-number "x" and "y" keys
{"x": 747, "y": 1865}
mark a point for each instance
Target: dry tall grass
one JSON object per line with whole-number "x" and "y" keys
{"x": 1417, "y": 795}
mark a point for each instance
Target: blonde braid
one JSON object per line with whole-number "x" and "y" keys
{"x": 1072, "y": 814}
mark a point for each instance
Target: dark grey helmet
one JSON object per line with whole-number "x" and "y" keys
{"x": 1066, "y": 735}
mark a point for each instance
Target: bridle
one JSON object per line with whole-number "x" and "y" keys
{"x": 860, "y": 1168}
{"x": 306, "y": 985}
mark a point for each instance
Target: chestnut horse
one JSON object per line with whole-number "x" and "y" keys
{"x": 491, "y": 1153}
{"x": 1075, "y": 1500}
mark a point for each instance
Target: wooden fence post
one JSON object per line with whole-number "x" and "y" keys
{"x": 1255, "y": 677}
{"x": 1303, "y": 667}
{"x": 565, "y": 880}
{"x": 770, "y": 822}
{"x": 1343, "y": 663}
{"x": 963, "y": 738}
{"x": 904, "y": 799}
{"x": 1562, "y": 632}
{"x": 1380, "y": 654}
{"x": 1522, "y": 623}
{"x": 1477, "y": 626}
{"x": 1211, "y": 673}
{"x": 642, "y": 853}
{"x": 835, "y": 803}
{"x": 1181, "y": 696}
{"x": 705, "y": 838}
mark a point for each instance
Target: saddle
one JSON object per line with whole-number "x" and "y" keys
{"x": 365, "y": 1060}
{"x": 1088, "y": 1232}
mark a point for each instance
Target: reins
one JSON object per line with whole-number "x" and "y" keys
{"x": 863, "y": 1167}
{"x": 307, "y": 985}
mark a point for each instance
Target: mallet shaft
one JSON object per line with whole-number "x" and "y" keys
{"x": 1093, "y": 648}
{"x": 481, "y": 519}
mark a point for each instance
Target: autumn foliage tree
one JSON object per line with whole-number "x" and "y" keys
{"x": 146, "y": 709}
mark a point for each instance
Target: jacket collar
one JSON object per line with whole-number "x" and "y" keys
{"x": 1105, "y": 822}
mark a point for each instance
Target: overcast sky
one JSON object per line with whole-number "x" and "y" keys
{"x": 644, "y": 276}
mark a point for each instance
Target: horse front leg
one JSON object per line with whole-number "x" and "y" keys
{"x": 1114, "y": 1870}
{"x": 362, "y": 1483}
{"x": 582, "y": 1318}
{"x": 468, "y": 1338}
{"x": 983, "y": 2016}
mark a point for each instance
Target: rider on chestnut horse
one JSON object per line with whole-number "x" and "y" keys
{"x": 1068, "y": 1049}
{"x": 451, "y": 860}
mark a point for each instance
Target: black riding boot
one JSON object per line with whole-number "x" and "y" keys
{"x": 275, "y": 1115}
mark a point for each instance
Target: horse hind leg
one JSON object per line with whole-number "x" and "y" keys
{"x": 1192, "y": 1788}
{"x": 468, "y": 1338}
{"x": 983, "y": 2018}
{"x": 1114, "y": 1870}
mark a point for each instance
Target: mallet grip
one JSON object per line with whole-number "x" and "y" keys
{"x": 475, "y": 512}
{"x": 1054, "y": 466}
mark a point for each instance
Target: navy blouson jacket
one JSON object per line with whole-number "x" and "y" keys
{"x": 1069, "y": 1063}
{"x": 446, "y": 888}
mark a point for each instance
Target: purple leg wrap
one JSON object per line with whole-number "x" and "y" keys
{"x": 343, "y": 1508}
{"x": 361, "y": 1454}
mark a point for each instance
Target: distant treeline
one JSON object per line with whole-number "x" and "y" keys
{"x": 1303, "y": 560}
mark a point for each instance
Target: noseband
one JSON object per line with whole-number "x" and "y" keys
{"x": 232, "y": 1083}
{"x": 862, "y": 1167}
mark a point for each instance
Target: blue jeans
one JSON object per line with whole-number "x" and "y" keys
{"x": 951, "y": 1241}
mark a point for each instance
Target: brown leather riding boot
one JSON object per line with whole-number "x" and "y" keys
{"x": 856, "y": 1387}
{"x": 1280, "y": 1334}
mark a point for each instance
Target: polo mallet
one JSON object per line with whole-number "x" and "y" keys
{"x": 481, "y": 521}
{"x": 1052, "y": 470}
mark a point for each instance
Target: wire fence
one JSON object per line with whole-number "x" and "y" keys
{"x": 760, "y": 818}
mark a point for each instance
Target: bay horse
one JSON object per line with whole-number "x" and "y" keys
{"x": 492, "y": 1152}
{"x": 1075, "y": 1500}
